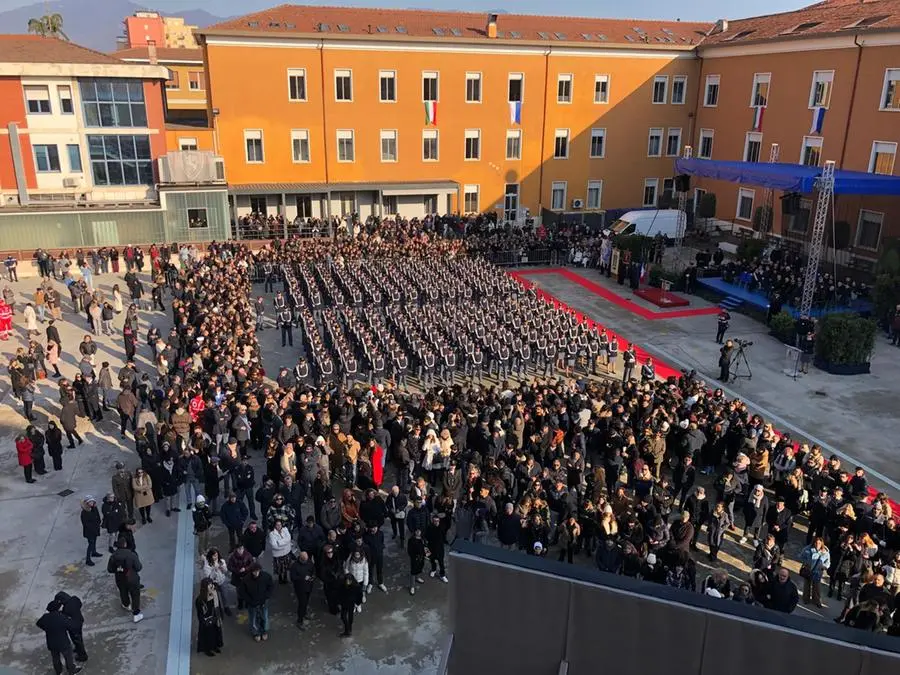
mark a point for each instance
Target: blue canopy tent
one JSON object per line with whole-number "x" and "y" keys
{"x": 788, "y": 177}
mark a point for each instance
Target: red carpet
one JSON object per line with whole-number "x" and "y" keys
{"x": 663, "y": 370}
{"x": 615, "y": 298}
{"x": 661, "y": 299}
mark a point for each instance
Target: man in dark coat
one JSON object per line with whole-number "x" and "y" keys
{"x": 56, "y": 627}
{"x": 255, "y": 590}
{"x": 373, "y": 539}
{"x": 126, "y": 565}
{"x": 303, "y": 578}
{"x": 71, "y": 607}
{"x": 682, "y": 533}
{"x": 782, "y": 594}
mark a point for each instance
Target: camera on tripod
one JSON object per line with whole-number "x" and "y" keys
{"x": 743, "y": 343}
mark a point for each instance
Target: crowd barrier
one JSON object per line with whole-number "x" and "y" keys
{"x": 529, "y": 258}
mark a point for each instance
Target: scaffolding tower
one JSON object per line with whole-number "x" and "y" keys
{"x": 825, "y": 193}
{"x": 769, "y": 198}
{"x": 682, "y": 210}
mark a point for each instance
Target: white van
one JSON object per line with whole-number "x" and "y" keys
{"x": 648, "y": 223}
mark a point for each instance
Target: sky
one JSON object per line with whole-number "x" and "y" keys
{"x": 687, "y": 10}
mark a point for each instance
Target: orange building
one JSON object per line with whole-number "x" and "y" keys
{"x": 321, "y": 111}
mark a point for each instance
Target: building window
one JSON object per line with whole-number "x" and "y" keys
{"x": 113, "y": 103}
{"x": 594, "y": 193}
{"x": 296, "y": 84}
{"x": 660, "y": 87}
{"x": 759, "y": 95}
{"x": 673, "y": 143}
{"x": 187, "y": 144}
{"x": 120, "y": 160}
{"x": 558, "y": 195}
{"x": 516, "y": 87}
{"x": 561, "y": 144}
{"x": 654, "y": 142}
{"x": 388, "y": 145}
{"x": 679, "y": 89}
{"x": 197, "y": 219}
{"x": 37, "y": 98}
{"x": 473, "y": 87}
{"x": 196, "y": 80}
{"x": 513, "y": 144}
{"x": 882, "y": 159}
{"x": 470, "y": 199}
{"x": 65, "y": 99}
{"x": 429, "y": 145}
{"x": 172, "y": 82}
{"x": 820, "y": 92}
{"x": 343, "y": 85}
{"x": 253, "y": 146}
{"x": 811, "y": 151}
{"x": 387, "y": 86}
{"x": 473, "y": 144}
{"x": 46, "y": 158}
{"x": 73, "y": 150}
{"x": 752, "y": 146}
{"x": 564, "y": 89}
{"x": 601, "y": 89}
{"x": 300, "y": 145}
{"x": 706, "y": 144}
{"x": 429, "y": 86}
{"x": 745, "y": 204}
{"x": 890, "y": 95}
{"x": 345, "y": 149}
{"x": 598, "y": 143}
{"x": 711, "y": 91}
{"x": 389, "y": 205}
{"x": 868, "y": 231}
{"x": 650, "y": 187}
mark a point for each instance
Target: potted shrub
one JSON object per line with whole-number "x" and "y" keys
{"x": 783, "y": 327}
{"x": 845, "y": 344}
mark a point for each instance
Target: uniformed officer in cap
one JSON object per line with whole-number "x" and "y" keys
{"x": 286, "y": 321}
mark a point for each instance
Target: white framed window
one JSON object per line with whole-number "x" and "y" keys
{"x": 64, "y": 92}
{"x": 654, "y": 142}
{"x": 346, "y": 151}
{"x": 429, "y": 85}
{"x": 601, "y": 89}
{"x": 679, "y": 89}
{"x": 470, "y": 199}
{"x": 564, "y": 88}
{"x": 46, "y": 158}
{"x": 820, "y": 90}
{"x": 253, "y": 146}
{"x": 473, "y": 144}
{"x": 388, "y": 145}
{"x": 651, "y": 186}
{"x": 890, "y": 92}
{"x": 705, "y": 149}
{"x": 594, "y": 194}
{"x": 711, "y": 91}
{"x": 759, "y": 94}
{"x": 515, "y": 88}
{"x": 752, "y": 146}
{"x": 660, "y": 88}
{"x": 558, "y": 195}
{"x": 868, "y": 229}
{"x": 296, "y": 84}
{"x": 673, "y": 143}
{"x": 811, "y": 151}
{"x": 300, "y": 146}
{"x": 37, "y": 99}
{"x": 429, "y": 145}
{"x": 745, "y": 204}
{"x": 187, "y": 144}
{"x": 513, "y": 144}
{"x": 73, "y": 150}
{"x": 387, "y": 86}
{"x": 343, "y": 84}
{"x": 561, "y": 144}
{"x": 196, "y": 80}
{"x": 882, "y": 159}
{"x": 598, "y": 144}
{"x": 473, "y": 87}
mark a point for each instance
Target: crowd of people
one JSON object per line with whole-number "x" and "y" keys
{"x": 520, "y": 429}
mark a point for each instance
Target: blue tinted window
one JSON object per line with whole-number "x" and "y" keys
{"x": 120, "y": 160}
{"x": 113, "y": 103}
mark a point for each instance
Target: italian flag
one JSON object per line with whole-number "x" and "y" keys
{"x": 758, "y": 113}
{"x": 431, "y": 113}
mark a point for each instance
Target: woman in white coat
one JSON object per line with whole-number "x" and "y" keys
{"x": 31, "y": 322}
{"x": 280, "y": 546}
{"x": 357, "y": 566}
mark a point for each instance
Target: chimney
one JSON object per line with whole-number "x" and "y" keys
{"x": 720, "y": 27}
{"x": 492, "y": 25}
{"x": 151, "y": 52}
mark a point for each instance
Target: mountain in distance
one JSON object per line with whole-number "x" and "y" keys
{"x": 92, "y": 23}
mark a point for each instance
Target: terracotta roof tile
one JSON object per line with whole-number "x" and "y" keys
{"x": 349, "y": 21}
{"x": 162, "y": 54}
{"x": 823, "y": 18}
{"x": 37, "y": 49}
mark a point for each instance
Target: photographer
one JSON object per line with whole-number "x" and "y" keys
{"x": 725, "y": 360}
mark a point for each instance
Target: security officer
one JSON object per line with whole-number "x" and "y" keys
{"x": 279, "y": 302}
{"x": 401, "y": 364}
{"x": 378, "y": 366}
{"x": 477, "y": 363}
{"x": 301, "y": 371}
{"x": 612, "y": 354}
{"x": 269, "y": 275}
{"x": 724, "y": 318}
{"x": 648, "y": 372}
{"x": 350, "y": 370}
{"x": 629, "y": 359}
{"x": 448, "y": 365}
{"x": 286, "y": 321}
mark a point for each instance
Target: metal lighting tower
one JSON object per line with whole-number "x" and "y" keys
{"x": 769, "y": 193}
{"x": 825, "y": 189}
{"x": 682, "y": 210}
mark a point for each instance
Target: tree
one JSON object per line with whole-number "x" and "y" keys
{"x": 49, "y": 25}
{"x": 706, "y": 208}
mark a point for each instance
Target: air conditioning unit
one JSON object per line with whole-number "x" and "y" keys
{"x": 71, "y": 182}
{"x": 577, "y": 203}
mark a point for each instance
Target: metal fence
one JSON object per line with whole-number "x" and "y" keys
{"x": 534, "y": 257}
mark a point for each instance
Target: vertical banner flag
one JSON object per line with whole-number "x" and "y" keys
{"x": 515, "y": 112}
{"x": 431, "y": 113}
{"x": 758, "y": 113}
{"x": 818, "y": 119}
